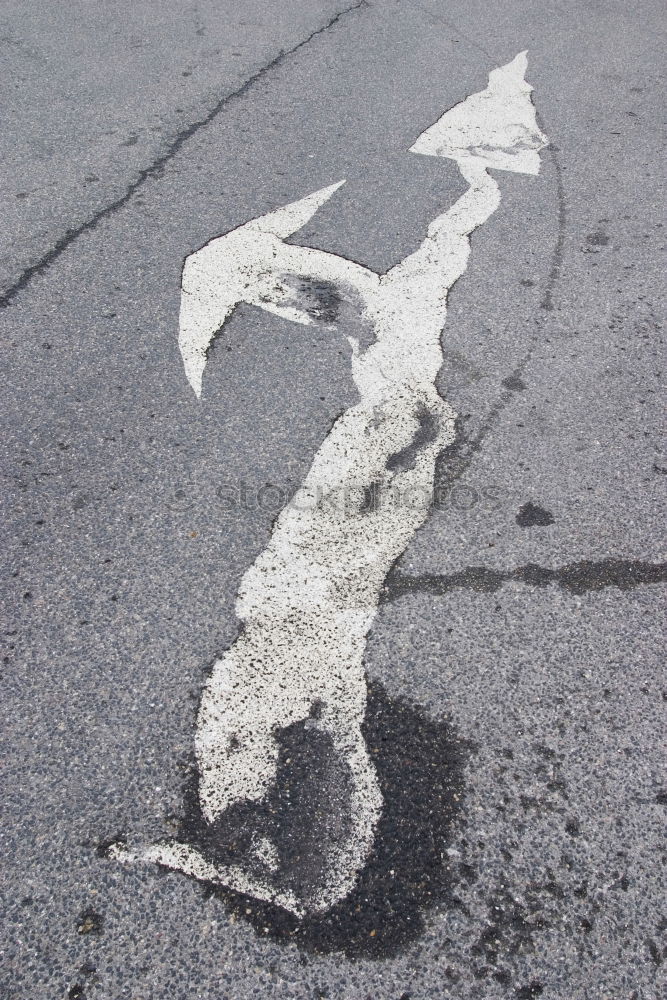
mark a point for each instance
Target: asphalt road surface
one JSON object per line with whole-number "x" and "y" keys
{"x": 492, "y": 775}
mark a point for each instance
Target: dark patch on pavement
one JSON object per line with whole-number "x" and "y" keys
{"x": 578, "y": 578}
{"x": 303, "y": 817}
{"x": 328, "y": 303}
{"x": 88, "y": 973}
{"x": 103, "y": 849}
{"x": 598, "y": 239}
{"x": 320, "y": 299}
{"x": 531, "y": 515}
{"x": 514, "y": 383}
{"x": 655, "y": 953}
{"x": 90, "y": 922}
{"x": 510, "y": 929}
{"x": 427, "y": 431}
{"x": 419, "y": 762}
{"x": 533, "y": 989}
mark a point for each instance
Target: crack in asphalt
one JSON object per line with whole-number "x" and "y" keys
{"x": 577, "y": 578}
{"x": 155, "y": 168}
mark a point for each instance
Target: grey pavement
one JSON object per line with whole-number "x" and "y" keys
{"x": 516, "y": 666}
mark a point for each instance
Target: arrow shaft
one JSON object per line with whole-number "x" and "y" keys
{"x": 310, "y": 597}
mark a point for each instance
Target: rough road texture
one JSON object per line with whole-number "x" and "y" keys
{"x": 517, "y": 700}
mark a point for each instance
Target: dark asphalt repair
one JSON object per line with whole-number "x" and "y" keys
{"x": 327, "y": 303}
{"x": 419, "y": 762}
{"x": 578, "y": 578}
{"x": 531, "y": 515}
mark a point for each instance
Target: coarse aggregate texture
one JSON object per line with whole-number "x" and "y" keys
{"x": 132, "y": 510}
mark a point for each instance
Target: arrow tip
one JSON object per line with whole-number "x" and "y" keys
{"x": 289, "y": 218}
{"x": 496, "y": 126}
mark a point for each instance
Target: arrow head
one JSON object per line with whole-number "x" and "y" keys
{"x": 234, "y": 268}
{"x": 496, "y": 126}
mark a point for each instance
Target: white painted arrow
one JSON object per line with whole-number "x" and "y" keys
{"x": 309, "y": 599}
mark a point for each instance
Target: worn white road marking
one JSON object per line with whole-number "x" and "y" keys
{"x": 309, "y": 599}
